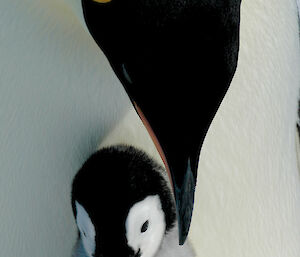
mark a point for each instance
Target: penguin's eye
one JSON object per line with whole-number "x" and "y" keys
{"x": 145, "y": 226}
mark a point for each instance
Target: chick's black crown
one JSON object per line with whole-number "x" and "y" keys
{"x": 112, "y": 180}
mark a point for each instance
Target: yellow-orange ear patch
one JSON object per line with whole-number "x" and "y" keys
{"x": 102, "y": 1}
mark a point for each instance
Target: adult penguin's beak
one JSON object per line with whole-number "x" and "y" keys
{"x": 183, "y": 182}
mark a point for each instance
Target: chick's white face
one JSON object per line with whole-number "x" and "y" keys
{"x": 145, "y": 226}
{"x": 86, "y": 229}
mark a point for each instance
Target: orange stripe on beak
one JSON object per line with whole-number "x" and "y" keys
{"x": 154, "y": 139}
{"x": 102, "y": 1}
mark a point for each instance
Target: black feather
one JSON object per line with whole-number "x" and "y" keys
{"x": 109, "y": 183}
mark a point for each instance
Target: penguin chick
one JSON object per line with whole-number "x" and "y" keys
{"x": 123, "y": 206}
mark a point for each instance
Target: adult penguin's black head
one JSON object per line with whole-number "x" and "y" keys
{"x": 122, "y": 204}
{"x": 176, "y": 59}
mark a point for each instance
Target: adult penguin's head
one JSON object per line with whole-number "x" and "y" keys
{"x": 175, "y": 59}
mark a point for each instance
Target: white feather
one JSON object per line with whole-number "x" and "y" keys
{"x": 148, "y": 210}
{"x": 78, "y": 249}
{"x": 171, "y": 248}
{"x": 86, "y": 229}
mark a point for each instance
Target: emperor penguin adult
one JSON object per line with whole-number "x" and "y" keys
{"x": 176, "y": 60}
{"x": 132, "y": 216}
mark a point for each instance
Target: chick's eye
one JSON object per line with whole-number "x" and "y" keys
{"x": 145, "y": 226}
